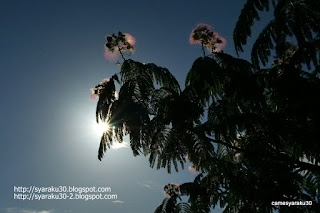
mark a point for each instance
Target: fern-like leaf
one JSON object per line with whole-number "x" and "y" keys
{"x": 249, "y": 14}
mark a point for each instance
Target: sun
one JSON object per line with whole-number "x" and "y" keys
{"x": 101, "y": 127}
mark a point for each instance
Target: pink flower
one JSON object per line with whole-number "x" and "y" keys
{"x": 192, "y": 40}
{"x": 199, "y": 34}
{"x": 93, "y": 94}
{"x": 105, "y": 80}
{"x": 221, "y": 45}
{"x": 203, "y": 34}
{"x": 202, "y": 26}
{"x": 118, "y": 44}
{"x": 217, "y": 43}
{"x": 93, "y": 97}
{"x": 128, "y": 45}
{"x": 192, "y": 170}
{"x": 129, "y": 38}
{"x": 111, "y": 55}
{"x": 237, "y": 155}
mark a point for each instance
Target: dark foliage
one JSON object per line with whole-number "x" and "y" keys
{"x": 252, "y": 133}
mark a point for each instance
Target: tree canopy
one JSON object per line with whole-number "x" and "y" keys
{"x": 251, "y": 128}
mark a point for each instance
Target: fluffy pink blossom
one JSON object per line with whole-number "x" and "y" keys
{"x": 111, "y": 55}
{"x": 197, "y": 34}
{"x": 192, "y": 170}
{"x": 105, "y": 80}
{"x": 129, "y": 38}
{"x": 237, "y": 155}
{"x": 118, "y": 44}
{"x": 223, "y": 43}
{"x": 203, "y": 34}
{"x": 95, "y": 92}
{"x": 216, "y": 43}
{"x": 192, "y": 40}
{"x": 93, "y": 95}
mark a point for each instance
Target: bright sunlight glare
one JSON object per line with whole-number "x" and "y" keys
{"x": 101, "y": 127}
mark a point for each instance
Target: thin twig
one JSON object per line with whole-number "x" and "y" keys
{"x": 121, "y": 53}
{"x": 202, "y": 47}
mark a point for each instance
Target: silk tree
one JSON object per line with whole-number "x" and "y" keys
{"x": 251, "y": 132}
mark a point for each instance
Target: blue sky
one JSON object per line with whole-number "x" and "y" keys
{"x": 51, "y": 55}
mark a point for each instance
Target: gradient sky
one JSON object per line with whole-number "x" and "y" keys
{"x": 51, "y": 54}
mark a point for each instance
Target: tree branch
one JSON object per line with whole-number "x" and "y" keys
{"x": 226, "y": 144}
{"x": 281, "y": 156}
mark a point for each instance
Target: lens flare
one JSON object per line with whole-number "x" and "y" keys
{"x": 101, "y": 127}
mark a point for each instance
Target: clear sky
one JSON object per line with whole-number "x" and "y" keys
{"x": 51, "y": 54}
